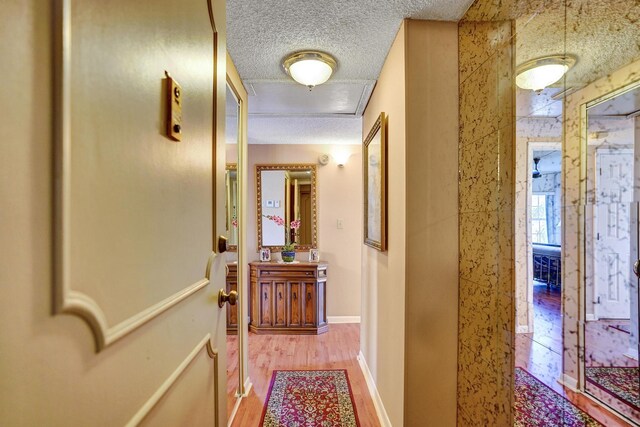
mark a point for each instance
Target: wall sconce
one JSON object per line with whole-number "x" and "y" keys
{"x": 341, "y": 157}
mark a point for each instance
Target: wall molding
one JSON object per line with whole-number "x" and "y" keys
{"x": 66, "y": 299}
{"x": 590, "y": 317}
{"x": 522, "y": 329}
{"x": 166, "y": 385}
{"x": 343, "y": 319}
{"x": 383, "y": 418}
{"x": 569, "y": 382}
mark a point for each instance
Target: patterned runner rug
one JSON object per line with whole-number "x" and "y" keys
{"x": 310, "y": 399}
{"x": 538, "y": 405}
{"x": 621, "y": 382}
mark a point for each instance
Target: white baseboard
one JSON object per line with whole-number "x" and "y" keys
{"x": 234, "y": 411}
{"x": 590, "y": 317}
{"x": 247, "y": 387}
{"x": 569, "y": 382}
{"x": 522, "y": 329}
{"x": 343, "y": 319}
{"x": 239, "y": 397}
{"x": 632, "y": 353}
{"x": 383, "y": 418}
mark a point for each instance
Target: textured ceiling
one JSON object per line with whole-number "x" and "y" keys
{"x": 305, "y": 130}
{"x": 358, "y": 33}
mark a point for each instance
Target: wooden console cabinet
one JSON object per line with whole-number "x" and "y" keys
{"x": 288, "y": 298}
{"x": 232, "y": 310}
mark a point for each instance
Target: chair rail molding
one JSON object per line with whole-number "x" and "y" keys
{"x": 66, "y": 299}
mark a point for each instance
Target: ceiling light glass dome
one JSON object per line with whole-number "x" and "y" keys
{"x": 540, "y": 73}
{"x": 309, "y": 68}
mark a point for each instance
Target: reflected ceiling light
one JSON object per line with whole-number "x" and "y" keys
{"x": 539, "y": 73}
{"x": 309, "y": 68}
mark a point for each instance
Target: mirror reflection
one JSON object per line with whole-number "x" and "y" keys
{"x": 286, "y": 201}
{"x": 611, "y": 248}
{"x": 231, "y": 205}
{"x": 232, "y": 124}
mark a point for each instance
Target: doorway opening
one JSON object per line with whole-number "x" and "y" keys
{"x": 539, "y": 254}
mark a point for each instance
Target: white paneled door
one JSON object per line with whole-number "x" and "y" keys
{"x": 111, "y": 315}
{"x": 614, "y": 194}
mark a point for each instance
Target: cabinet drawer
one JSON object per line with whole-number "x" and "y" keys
{"x": 288, "y": 273}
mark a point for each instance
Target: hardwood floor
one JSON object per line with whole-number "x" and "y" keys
{"x": 336, "y": 349}
{"x": 540, "y": 353}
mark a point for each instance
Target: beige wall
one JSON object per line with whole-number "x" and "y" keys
{"x": 410, "y": 292}
{"x": 339, "y": 197}
{"x": 382, "y": 339}
{"x": 431, "y": 324}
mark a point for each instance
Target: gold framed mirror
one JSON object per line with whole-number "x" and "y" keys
{"x": 286, "y": 193}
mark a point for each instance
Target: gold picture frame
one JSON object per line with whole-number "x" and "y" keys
{"x": 374, "y": 158}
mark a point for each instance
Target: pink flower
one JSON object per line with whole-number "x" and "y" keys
{"x": 234, "y": 222}
{"x": 295, "y": 224}
{"x": 275, "y": 218}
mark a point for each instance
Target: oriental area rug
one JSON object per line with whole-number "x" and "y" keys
{"x": 310, "y": 399}
{"x": 538, "y": 405}
{"x": 621, "y": 382}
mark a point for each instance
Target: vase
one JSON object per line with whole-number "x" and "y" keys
{"x": 288, "y": 256}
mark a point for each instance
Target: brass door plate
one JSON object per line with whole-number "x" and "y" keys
{"x": 174, "y": 112}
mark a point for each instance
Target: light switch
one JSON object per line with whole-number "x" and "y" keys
{"x": 269, "y": 203}
{"x": 339, "y": 224}
{"x": 276, "y": 203}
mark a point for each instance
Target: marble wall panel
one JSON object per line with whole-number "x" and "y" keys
{"x": 486, "y": 191}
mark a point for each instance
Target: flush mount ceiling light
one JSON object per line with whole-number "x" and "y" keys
{"x": 309, "y": 68}
{"x": 539, "y": 73}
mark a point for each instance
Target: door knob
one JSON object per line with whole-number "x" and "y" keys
{"x": 231, "y": 298}
{"x": 636, "y": 268}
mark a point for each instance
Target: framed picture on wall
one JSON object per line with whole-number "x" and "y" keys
{"x": 265, "y": 254}
{"x": 314, "y": 255}
{"x": 374, "y": 157}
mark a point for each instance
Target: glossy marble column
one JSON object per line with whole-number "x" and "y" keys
{"x": 486, "y": 191}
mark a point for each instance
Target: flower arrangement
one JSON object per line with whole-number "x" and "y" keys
{"x": 290, "y": 245}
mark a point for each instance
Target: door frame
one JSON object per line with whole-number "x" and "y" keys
{"x": 244, "y": 382}
{"x": 532, "y": 145}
